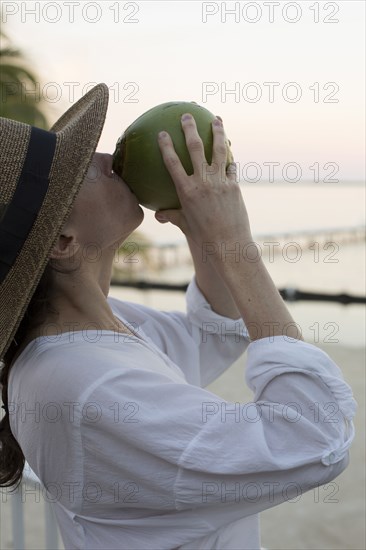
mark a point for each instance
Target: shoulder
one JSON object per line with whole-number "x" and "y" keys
{"x": 74, "y": 357}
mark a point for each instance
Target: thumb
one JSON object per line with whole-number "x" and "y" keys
{"x": 161, "y": 217}
{"x": 164, "y": 216}
{"x": 173, "y": 216}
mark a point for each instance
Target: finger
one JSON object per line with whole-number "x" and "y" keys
{"x": 171, "y": 159}
{"x": 219, "y": 153}
{"x": 194, "y": 143}
{"x": 231, "y": 173}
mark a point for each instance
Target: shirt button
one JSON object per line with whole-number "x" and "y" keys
{"x": 331, "y": 458}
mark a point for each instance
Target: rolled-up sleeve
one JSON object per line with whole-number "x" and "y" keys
{"x": 235, "y": 458}
{"x": 272, "y": 365}
{"x": 294, "y": 436}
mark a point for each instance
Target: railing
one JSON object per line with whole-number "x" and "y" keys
{"x": 288, "y": 294}
{"x": 17, "y": 499}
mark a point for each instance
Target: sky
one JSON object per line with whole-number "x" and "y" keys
{"x": 287, "y": 78}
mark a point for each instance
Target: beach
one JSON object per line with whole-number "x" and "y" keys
{"x": 328, "y": 518}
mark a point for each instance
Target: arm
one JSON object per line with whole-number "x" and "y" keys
{"x": 213, "y": 213}
{"x": 211, "y": 284}
{"x": 203, "y": 445}
{"x": 208, "y": 280}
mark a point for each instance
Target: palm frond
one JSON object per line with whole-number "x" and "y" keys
{"x": 9, "y": 52}
{"x": 19, "y": 97}
{"x": 16, "y": 73}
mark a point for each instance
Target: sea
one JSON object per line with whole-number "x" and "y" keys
{"x": 333, "y": 266}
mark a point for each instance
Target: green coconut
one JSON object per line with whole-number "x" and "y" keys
{"x": 137, "y": 158}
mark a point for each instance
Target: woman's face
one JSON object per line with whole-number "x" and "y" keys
{"x": 105, "y": 210}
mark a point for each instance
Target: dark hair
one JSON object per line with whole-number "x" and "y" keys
{"x": 11, "y": 455}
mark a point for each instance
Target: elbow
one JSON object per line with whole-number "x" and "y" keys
{"x": 317, "y": 475}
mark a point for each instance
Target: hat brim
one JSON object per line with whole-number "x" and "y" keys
{"x": 77, "y": 136}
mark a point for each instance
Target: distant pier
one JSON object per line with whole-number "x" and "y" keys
{"x": 322, "y": 236}
{"x": 160, "y": 256}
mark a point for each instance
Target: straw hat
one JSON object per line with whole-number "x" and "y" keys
{"x": 40, "y": 175}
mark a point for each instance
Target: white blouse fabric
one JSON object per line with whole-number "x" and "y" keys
{"x": 134, "y": 454}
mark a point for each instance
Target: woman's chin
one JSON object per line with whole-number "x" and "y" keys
{"x": 142, "y": 213}
{"x": 138, "y": 219}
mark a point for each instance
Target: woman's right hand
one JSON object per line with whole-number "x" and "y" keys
{"x": 213, "y": 208}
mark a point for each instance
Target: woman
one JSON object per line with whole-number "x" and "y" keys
{"x": 104, "y": 398}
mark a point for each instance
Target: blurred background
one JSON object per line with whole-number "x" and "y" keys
{"x": 288, "y": 79}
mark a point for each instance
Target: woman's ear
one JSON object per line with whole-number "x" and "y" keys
{"x": 65, "y": 248}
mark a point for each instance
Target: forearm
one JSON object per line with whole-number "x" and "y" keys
{"x": 255, "y": 294}
{"x": 212, "y": 285}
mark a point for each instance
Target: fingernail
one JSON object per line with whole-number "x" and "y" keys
{"x": 186, "y": 117}
{"x": 217, "y": 122}
{"x": 162, "y": 134}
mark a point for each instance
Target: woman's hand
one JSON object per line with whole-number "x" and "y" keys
{"x": 213, "y": 210}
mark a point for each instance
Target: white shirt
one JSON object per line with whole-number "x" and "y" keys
{"x": 135, "y": 454}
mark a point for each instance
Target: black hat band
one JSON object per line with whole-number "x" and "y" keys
{"x": 27, "y": 200}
